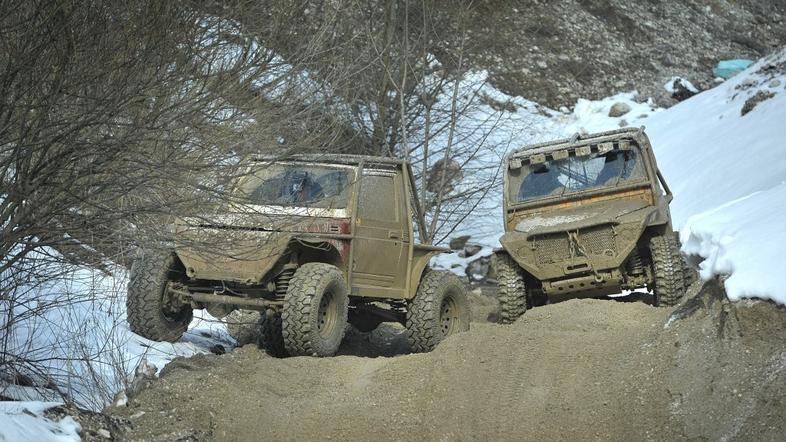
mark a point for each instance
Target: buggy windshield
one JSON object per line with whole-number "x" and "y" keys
{"x": 302, "y": 185}
{"x": 573, "y": 174}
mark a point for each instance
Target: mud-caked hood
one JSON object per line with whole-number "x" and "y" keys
{"x": 611, "y": 212}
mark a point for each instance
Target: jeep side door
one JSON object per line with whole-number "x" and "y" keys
{"x": 381, "y": 243}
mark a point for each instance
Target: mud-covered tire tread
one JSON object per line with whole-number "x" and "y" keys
{"x": 668, "y": 266}
{"x": 271, "y": 335}
{"x": 149, "y": 274}
{"x": 512, "y": 294}
{"x": 689, "y": 273}
{"x": 298, "y": 327}
{"x": 423, "y": 312}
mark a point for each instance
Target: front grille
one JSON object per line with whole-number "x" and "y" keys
{"x": 552, "y": 248}
{"x": 556, "y": 247}
{"x": 598, "y": 240}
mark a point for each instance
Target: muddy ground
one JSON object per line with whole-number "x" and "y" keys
{"x": 577, "y": 370}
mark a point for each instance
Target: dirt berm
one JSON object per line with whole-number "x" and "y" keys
{"x": 577, "y": 370}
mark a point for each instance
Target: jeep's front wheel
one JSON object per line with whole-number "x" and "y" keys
{"x": 440, "y": 308}
{"x": 511, "y": 292}
{"x": 315, "y": 311}
{"x": 152, "y": 312}
{"x": 667, "y": 266}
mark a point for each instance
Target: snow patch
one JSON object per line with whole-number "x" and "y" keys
{"x": 593, "y": 116}
{"x": 20, "y": 421}
{"x": 671, "y": 88}
{"x": 75, "y": 329}
{"x": 743, "y": 239}
{"x": 456, "y": 264}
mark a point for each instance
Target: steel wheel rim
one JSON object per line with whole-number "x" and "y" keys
{"x": 448, "y": 315}
{"x": 327, "y": 314}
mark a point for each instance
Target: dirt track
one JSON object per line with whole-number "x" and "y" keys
{"x": 578, "y": 370}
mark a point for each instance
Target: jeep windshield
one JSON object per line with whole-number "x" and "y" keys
{"x": 299, "y": 185}
{"x": 574, "y": 174}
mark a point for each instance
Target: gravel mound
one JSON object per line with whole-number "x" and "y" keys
{"x": 581, "y": 369}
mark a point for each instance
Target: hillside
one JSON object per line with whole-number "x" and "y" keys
{"x": 557, "y": 52}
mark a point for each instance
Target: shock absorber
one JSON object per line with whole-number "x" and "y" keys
{"x": 635, "y": 266}
{"x": 282, "y": 281}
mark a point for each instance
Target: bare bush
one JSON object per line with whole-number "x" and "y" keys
{"x": 114, "y": 117}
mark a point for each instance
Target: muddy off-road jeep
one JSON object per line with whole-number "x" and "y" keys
{"x": 316, "y": 242}
{"x": 584, "y": 217}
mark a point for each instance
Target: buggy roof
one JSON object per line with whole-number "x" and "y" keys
{"x": 576, "y": 141}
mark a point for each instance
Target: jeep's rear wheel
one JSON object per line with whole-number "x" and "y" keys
{"x": 271, "y": 335}
{"x": 512, "y": 292}
{"x": 315, "y": 311}
{"x": 440, "y": 309}
{"x": 152, "y": 312}
{"x": 667, "y": 266}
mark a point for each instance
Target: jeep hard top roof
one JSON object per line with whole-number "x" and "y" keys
{"x": 330, "y": 158}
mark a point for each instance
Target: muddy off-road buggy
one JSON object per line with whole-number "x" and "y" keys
{"x": 316, "y": 242}
{"x": 585, "y": 217}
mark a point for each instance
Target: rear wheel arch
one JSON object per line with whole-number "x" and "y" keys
{"x": 323, "y": 251}
{"x": 300, "y": 252}
{"x": 420, "y": 267}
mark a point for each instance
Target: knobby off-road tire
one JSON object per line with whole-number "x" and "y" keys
{"x": 149, "y": 314}
{"x": 315, "y": 311}
{"x": 667, "y": 265}
{"x": 271, "y": 334}
{"x": 689, "y": 272}
{"x": 512, "y": 293}
{"x": 440, "y": 309}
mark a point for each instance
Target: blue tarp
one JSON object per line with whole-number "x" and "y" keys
{"x": 729, "y": 68}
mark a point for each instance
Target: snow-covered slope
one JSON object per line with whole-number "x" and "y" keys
{"x": 711, "y": 154}
{"x": 727, "y": 171}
